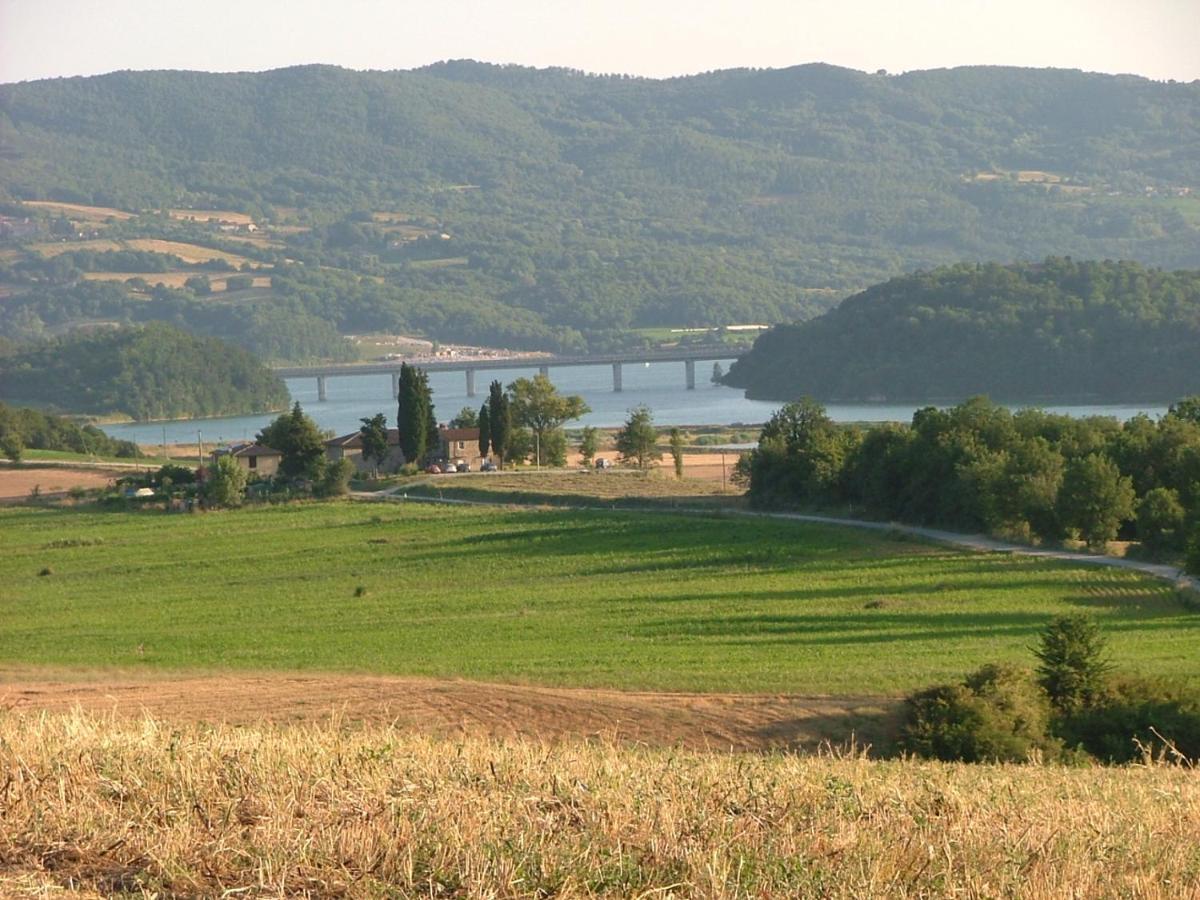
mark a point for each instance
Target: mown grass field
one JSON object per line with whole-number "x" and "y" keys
{"x": 147, "y": 808}
{"x": 599, "y": 598}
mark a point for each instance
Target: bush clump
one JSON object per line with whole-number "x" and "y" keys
{"x": 997, "y": 714}
{"x": 1076, "y": 708}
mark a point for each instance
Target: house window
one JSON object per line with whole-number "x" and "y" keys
{"x": 253, "y": 460}
{"x": 460, "y": 445}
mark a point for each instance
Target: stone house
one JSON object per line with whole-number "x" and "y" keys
{"x": 349, "y": 446}
{"x": 255, "y": 459}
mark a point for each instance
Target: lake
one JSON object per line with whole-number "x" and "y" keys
{"x": 659, "y": 386}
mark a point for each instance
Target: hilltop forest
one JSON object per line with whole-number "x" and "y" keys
{"x": 557, "y": 210}
{"x": 1057, "y": 330}
{"x": 150, "y": 372}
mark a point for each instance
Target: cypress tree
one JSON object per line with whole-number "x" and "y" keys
{"x": 413, "y": 413}
{"x": 499, "y": 420}
{"x": 484, "y": 433}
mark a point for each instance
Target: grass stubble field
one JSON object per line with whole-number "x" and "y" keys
{"x": 565, "y": 603}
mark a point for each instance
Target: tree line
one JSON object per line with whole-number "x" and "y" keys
{"x": 23, "y": 429}
{"x": 1029, "y": 475}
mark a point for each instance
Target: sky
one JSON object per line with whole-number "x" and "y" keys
{"x": 656, "y": 38}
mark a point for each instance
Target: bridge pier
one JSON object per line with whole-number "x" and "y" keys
{"x": 544, "y": 370}
{"x": 396, "y": 385}
{"x": 470, "y": 382}
{"x": 321, "y": 388}
{"x": 689, "y": 370}
{"x": 616, "y": 377}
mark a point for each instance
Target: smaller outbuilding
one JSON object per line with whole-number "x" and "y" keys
{"x": 256, "y": 459}
{"x": 349, "y": 446}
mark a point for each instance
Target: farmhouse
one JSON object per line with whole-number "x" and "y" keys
{"x": 458, "y": 443}
{"x": 349, "y": 446}
{"x": 254, "y": 458}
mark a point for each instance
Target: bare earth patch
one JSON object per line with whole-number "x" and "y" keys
{"x": 741, "y": 722}
{"x": 16, "y": 483}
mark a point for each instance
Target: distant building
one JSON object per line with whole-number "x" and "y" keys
{"x": 349, "y": 446}
{"x": 459, "y": 443}
{"x": 254, "y": 458}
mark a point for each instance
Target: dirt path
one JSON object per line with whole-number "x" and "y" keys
{"x": 741, "y": 722}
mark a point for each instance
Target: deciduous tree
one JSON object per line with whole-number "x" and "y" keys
{"x": 538, "y": 406}
{"x": 374, "y": 435}
{"x": 637, "y": 441}
{"x": 297, "y": 437}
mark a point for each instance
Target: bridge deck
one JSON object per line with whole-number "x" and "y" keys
{"x": 699, "y": 354}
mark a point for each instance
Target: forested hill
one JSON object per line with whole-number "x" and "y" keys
{"x": 588, "y": 205}
{"x": 1058, "y": 330}
{"x": 150, "y": 372}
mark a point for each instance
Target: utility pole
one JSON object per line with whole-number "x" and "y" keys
{"x": 722, "y": 471}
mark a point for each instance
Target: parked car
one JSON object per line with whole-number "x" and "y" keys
{"x": 462, "y": 466}
{"x": 603, "y": 463}
{"x": 433, "y": 469}
{"x": 487, "y": 466}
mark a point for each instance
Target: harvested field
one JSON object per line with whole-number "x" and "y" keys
{"x": 54, "y": 248}
{"x": 167, "y": 279}
{"x": 211, "y": 215}
{"x": 173, "y": 279}
{"x": 741, "y": 722}
{"x": 81, "y": 212}
{"x": 17, "y": 482}
{"x": 147, "y": 807}
{"x": 189, "y": 253}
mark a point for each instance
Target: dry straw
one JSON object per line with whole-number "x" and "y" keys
{"x": 107, "y": 805}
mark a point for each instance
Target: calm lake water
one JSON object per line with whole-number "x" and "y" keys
{"x": 658, "y": 385}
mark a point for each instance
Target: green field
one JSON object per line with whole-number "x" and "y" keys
{"x": 617, "y": 599}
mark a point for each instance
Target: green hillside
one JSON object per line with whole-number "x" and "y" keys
{"x": 554, "y": 209}
{"x": 1058, "y": 330}
{"x": 152, "y": 372}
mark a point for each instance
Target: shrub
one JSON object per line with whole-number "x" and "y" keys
{"x": 996, "y": 714}
{"x": 1072, "y": 667}
{"x": 1129, "y": 712}
{"x": 226, "y": 483}
{"x": 176, "y": 473}
{"x": 335, "y": 480}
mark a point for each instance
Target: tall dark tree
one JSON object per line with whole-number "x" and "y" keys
{"x": 374, "y": 439}
{"x": 414, "y": 413}
{"x": 485, "y": 434}
{"x": 1072, "y": 664}
{"x": 499, "y": 420}
{"x": 300, "y": 441}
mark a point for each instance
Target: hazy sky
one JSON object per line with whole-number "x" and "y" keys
{"x": 46, "y": 38}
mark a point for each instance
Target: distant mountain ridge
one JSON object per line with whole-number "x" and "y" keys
{"x": 590, "y": 205}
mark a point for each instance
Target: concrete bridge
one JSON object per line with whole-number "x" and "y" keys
{"x": 688, "y": 356}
